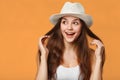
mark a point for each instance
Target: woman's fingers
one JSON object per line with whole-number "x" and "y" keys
{"x": 99, "y": 49}
{"x": 98, "y": 43}
{"x": 42, "y": 39}
{"x": 42, "y": 46}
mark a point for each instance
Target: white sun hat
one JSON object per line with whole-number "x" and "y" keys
{"x": 72, "y": 9}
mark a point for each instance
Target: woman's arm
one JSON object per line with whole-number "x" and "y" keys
{"x": 96, "y": 70}
{"x": 42, "y": 69}
{"x": 97, "y": 61}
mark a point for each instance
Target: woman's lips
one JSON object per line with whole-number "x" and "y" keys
{"x": 69, "y": 34}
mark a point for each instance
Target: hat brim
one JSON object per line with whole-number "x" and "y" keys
{"x": 85, "y": 17}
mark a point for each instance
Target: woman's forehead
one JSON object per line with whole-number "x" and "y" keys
{"x": 70, "y": 17}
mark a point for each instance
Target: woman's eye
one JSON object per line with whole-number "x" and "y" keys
{"x": 76, "y": 23}
{"x": 64, "y": 22}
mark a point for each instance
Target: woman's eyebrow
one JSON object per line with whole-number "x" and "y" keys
{"x": 76, "y": 19}
{"x": 64, "y": 18}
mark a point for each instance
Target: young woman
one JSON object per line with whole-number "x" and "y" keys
{"x": 67, "y": 54}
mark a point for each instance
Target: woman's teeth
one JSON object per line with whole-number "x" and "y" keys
{"x": 70, "y": 34}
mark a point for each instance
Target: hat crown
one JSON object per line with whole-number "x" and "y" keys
{"x": 75, "y": 8}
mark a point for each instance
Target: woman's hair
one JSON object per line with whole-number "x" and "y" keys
{"x": 56, "y": 48}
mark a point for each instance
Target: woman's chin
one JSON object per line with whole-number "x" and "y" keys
{"x": 69, "y": 40}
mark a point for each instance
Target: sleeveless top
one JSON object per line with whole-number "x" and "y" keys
{"x": 64, "y": 73}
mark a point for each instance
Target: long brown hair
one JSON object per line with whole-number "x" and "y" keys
{"x": 56, "y": 47}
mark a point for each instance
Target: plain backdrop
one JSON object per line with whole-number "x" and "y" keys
{"x": 22, "y": 22}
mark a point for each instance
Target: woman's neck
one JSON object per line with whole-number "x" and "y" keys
{"x": 69, "y": 55}
{"x": 69, "y": 46}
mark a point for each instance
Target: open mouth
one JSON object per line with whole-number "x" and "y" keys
{"x": 69, "y": 34}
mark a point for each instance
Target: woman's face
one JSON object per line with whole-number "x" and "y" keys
{"x": 71, "y": 28}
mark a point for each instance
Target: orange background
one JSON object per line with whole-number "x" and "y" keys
{"x": 22, "y": 22}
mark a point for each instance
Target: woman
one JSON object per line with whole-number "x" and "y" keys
{"x": 67, "y": 54}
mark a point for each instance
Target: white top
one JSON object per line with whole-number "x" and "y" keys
{"x": 64, "y": 73}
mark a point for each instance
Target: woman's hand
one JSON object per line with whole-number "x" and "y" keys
{"x": 99, "y": 49}
{"x": 43, "y": 70}
{"x": 97, "y": 61}
{"x": 43, "y": 49}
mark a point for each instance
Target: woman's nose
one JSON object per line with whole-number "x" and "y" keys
{"x": 70, "y": 26}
